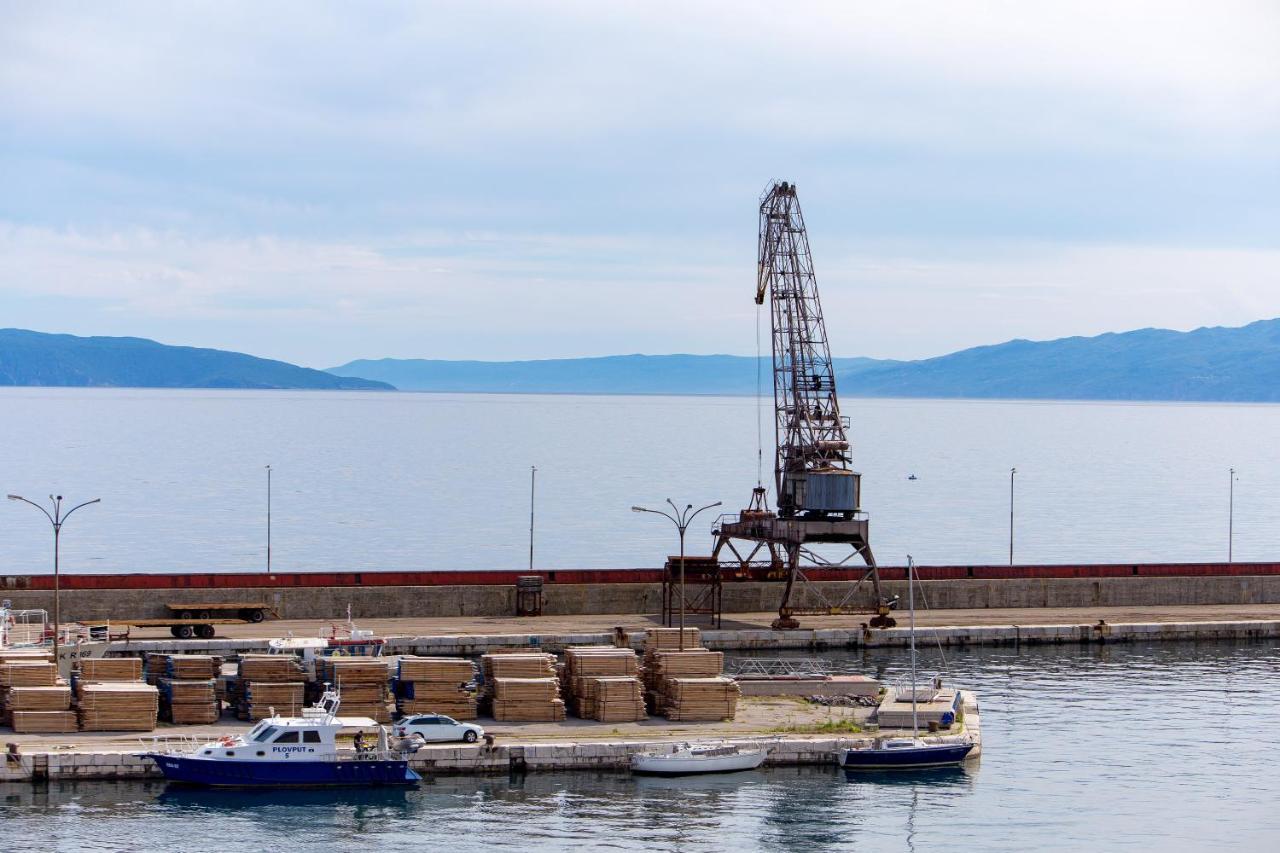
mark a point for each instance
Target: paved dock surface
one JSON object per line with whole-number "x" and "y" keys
{"x": 585, "y": 624}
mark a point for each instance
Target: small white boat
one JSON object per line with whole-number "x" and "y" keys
{"x": 687, "y": 759}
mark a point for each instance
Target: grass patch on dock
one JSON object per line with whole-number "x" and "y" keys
{"x": 845, "y": 726}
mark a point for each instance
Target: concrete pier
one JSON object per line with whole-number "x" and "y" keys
{"x": 754, "y": 639}
{"x": 541, "y": 747}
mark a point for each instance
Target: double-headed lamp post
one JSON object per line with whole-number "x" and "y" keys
{"x": 57, "y": 518}
{"x": 681, "y": 519}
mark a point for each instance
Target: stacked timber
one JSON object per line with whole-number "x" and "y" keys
{"x": 189, "y": 701}
{"x": 116, "y": 706}
{"x": 533, "y": 693}
{"x": 701, "y": 698}
{"x": 586, "y": 667}
{"x": 110, "y": 669}
{"x": 618, "y": 699}
{"x": 435, "y": 686}
{"x": 686, "y": 685}
{"x": 40, "y": 709}
{"x": 24, "y": 671}
{"x": 527, "y": 700}
{"x": 362, "y": 684}
{"x": 267, "y": 683}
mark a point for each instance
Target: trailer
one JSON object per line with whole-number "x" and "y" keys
{"x": 245, "y": 611}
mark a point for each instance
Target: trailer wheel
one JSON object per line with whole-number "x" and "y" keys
{"x": 173, "y": 629}
{"x": 183, "y": 632}
{"x": 186, "y": 614}
{"x": 203, "y": 614}
{"x": 253, "y": 615}
{"x": 205, "y": 632}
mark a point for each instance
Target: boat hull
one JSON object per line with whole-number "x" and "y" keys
{"x": 283, "y": 774}
{"x": 669, "y": 766}
{"x": 934, "y": 755}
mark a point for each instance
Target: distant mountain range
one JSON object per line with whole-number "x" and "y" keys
{"x": 35, "y": 358}
{"x": 613, "y": 374}
{"x": 1209, "y": 364}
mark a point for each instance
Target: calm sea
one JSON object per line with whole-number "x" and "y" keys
{"x": 1163, "y": 748}
{"x": 442, "y": 481}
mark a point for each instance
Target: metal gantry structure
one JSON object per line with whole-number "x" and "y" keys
{"x": 817, "y": 490}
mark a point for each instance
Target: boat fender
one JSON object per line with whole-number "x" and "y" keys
{"x": 339, "y": 653}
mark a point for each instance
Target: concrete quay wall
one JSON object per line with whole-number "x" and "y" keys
{"x": 574, "y": 599}
{"x": 517, "y": 757}
{"x": 816, "y": 639}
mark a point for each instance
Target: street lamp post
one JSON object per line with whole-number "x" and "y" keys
{"x": 1231, "y": 517}
{"x": 533, "y": 481}
{"x": 1012, "y": 471}
{"x": 268, "y": 519}
{"x": 57, "y": 518}
{"x": 681, "y": 519}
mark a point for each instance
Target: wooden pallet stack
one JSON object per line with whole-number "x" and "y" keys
{"x": 586, "y": 667}
{"x": 363, "y": 685}
{"x": 116, "y": 706}
{"x": 266, "y": 682}
{"x": 435, "y": 686}
{"x": 522, "y": 687}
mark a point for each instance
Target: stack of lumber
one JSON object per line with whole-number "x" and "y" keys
{"x": 110, "y": 669}
{"x": 189, "y": 701}
{"x": 687, "y": 685}
{"x": 618, "y": 699}
{"x": 587, "y": 666}
{"x": 527, "y": 699}
{"x": 186, "y": 667}
{"x": 265, "y": 682}
{"x": 117, "y": 706}
{"x": 26, "y": 656}
{"x": 701, "y": 698}
{"x": 273, "y": 668}
{"x": 40, "y": 709}
{"x": 24, "y": 671}
{"x": 260, "y": 699}
{"x": 435, "y": 686}
{"x": 362, "y": 683}
{"x": 155, "y": 665}
{"x": 533, "y": 695}
{"x": 668, "y": 639}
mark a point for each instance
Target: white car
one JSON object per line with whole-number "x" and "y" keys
{"x": 436, "y": 728}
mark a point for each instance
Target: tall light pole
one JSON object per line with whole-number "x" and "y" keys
{"x": 680, "y": 519}
{"x": 1231, "y": 517}
{"x": 1012, "y": 471}
{"x": 268, "y": 519}
{"x": 57, "y": 518}
{"x": 533, "y": 481}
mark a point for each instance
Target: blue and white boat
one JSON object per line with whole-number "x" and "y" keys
{"x": 293, "y": 752}
{"x": 908, "y": 753}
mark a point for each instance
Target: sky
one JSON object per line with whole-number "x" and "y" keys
{"x": 320, "y": 182}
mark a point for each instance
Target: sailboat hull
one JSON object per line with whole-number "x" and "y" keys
{"x": 932, "y": 755}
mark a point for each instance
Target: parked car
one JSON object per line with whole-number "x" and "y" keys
{"x": 435, "y": 728}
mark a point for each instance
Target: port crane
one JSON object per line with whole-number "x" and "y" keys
{"x": 817, "y": 490}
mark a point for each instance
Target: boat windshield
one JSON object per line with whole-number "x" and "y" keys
{"x": 265, "y": 735}
{"x": 253, "y": 733}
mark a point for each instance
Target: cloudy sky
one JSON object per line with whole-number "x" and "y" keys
{"x": 320, "y": 182}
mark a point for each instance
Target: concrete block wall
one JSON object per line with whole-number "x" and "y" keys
{"x": 572, "y": 599}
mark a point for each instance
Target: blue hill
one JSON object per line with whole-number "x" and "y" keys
{"x": 36, "y": 358}
{"x": 615, "y": 374}
{"x": 1208, "y": 364}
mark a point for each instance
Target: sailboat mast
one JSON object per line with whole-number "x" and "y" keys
{"x": 911, "y": 601}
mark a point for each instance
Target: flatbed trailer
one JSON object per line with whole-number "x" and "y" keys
{"x": 246, "y": 611}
